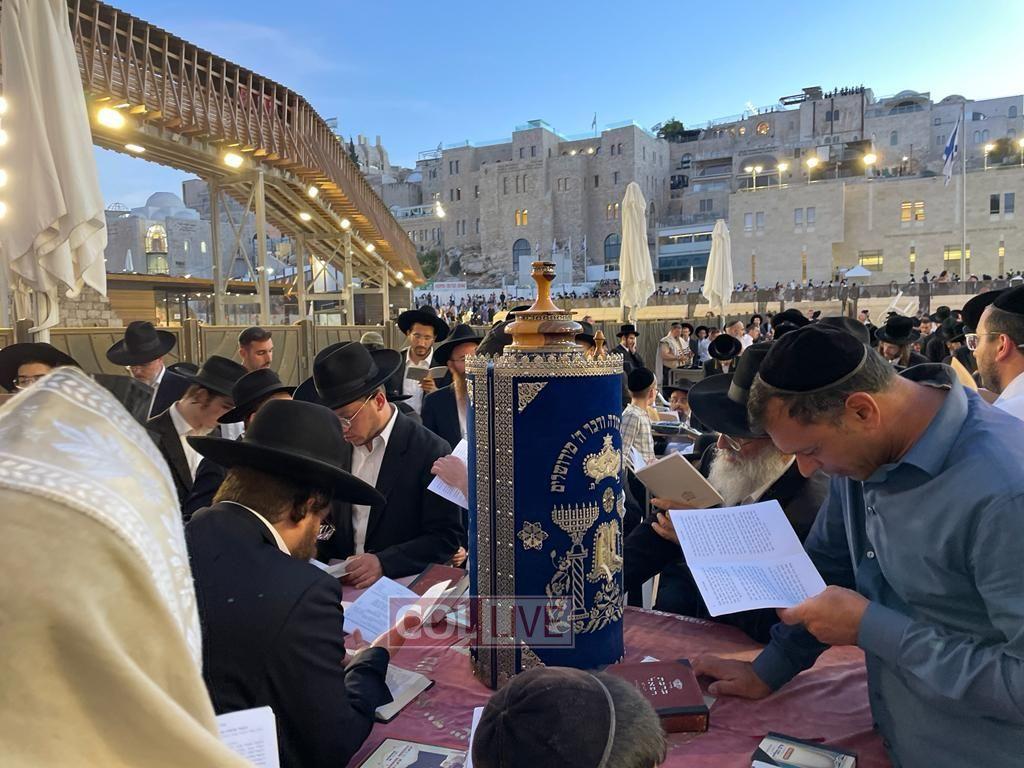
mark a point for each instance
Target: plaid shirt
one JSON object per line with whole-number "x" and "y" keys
{"x": 636, "y": 433}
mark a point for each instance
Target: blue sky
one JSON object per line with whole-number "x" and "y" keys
{"x": 420, "y": 73}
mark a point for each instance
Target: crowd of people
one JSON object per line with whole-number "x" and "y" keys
{"x": 893, "y": 449}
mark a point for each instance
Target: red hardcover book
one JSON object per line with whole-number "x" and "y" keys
{"x": 435, "y": 574}
{"x": 672, "y": 689}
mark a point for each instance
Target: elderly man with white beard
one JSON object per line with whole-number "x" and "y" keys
{"x": 744, "y": 467}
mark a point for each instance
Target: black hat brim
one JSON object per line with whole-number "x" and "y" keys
{"x": 710, "y": 404}
{"x": 291, "y": 466}
{"x": 444, "y": 350}
{"x": 119, "y": 354}
{"x": 881, "y": 335}
{"x": 388, "y": 361}
{"x": 410, "y": 316}
{"x": 241, "y": 411}
{"x": 14, "y": 356}
{"x": 735, "y": 348}
{"x": 220, "y": 386}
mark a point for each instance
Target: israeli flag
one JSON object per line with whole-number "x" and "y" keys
{"x": 950, "y": 152}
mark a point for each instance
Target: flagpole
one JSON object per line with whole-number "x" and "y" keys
{"x": 963, "y": 193}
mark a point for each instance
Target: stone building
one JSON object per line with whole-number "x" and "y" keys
{"x": 540, "y": 194}
{"x": 801, "y": 202}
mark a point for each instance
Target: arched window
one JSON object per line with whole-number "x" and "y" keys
{"x": 156, "y": 239}
{"x": 1012, "y": 111}
{"x": 612, "y": 244}
{"x": 520, "y": 253}
{"x": 894, "y": 138}
{"x": 650, "y": 215}
{"x": 685, "y": 161}
{"x": 977, "y": 137}
{"x": 984, "y": 135}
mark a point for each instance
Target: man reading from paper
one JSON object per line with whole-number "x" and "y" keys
{"x": 919, "y": 541}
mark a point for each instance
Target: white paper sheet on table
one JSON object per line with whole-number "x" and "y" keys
{"x": 744, "y": 558}
{"x": 478, "y": 712}
{"x": 371, "y": 612}
{"x": 449, "y": 492}
{"x": 251, "y": 733}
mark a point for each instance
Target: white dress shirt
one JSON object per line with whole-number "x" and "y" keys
{"x": 1012, "y": 398}
{"x": 185, "y": 430}
{"x": 366, "y": 463}
{"x": 273, "y": 531}
{"x": 412, "y": 387}
{"x": 156, "y": 386}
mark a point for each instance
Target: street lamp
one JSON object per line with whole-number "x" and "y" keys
{"x": 753, "y": 170}
{"x": 783, "y": 167}
{"x": 812, "y": 163}
{"x": 988, "y": 148}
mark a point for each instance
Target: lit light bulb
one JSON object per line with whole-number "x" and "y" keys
{"x": 304, "y": 216}
{"x": 312, "y": 191}
{"x": 345, "y": 223}
{"x": 110, "y": 118}
{"x": 233, "y": 160}
{"x": 370, "y": 247}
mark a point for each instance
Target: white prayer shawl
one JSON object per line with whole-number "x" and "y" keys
{"x": 102, "y": 653}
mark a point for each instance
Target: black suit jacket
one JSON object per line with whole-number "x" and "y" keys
{"x": 135, "y": 396}
{"x": 161, "y": 429}
{"x": 713, "y": 367}
{"x": 414, "y": 527}
{"x": 209, "y": 476}
{"x": 645, "y": 553}
{"x": 272, "y": 636}
{"x": 441, "y": 415}
{"x": 172, "y": 388}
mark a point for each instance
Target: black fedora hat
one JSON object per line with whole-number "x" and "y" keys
{"x": 627, "y": 329}
{"x": 425, "y": 315}
{"x": 349, "y": 370}
{"x": 687, "y": 325}
{"x": 700, "y": 328}
{"x": 683, "y": 386}
{"x": 183, "y": 368}
{"x": 898, "y": 330}
{"x": 297, "y": 441}
{"x": 461, "y": 334}
{"x": 725, "y": 347}
{"x": 217, "y": 374}
{"x": 941, "y": 313}
{"x": 587, "y": 334}
{"x": 848, "y": 324}
{"x": 250, "y": 390}
{"x": 720, "y": 402}
{"x": 974, "y": 308}
{"x": 14, "y": 356}
{"x": 142, "y": 343}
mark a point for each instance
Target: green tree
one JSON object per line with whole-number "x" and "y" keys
{"x": 429, "y": 263}
{"x": 672, "y": 130}
{"x": 352, "y": 151}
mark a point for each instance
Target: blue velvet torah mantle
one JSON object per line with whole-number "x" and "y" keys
{"x": 546, "y": 504}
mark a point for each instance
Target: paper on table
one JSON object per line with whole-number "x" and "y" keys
{"x": 478, "y": 712}
{"x": 743, "y": 558}
{"x": 251, "y": 733}
{"x": 449, "y": 492}
{"x": 372, "y": 613}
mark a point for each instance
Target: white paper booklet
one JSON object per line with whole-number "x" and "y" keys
{"x": 744, "y": 558}
{"x": 371, "y": 613}
{"x": 251, "y": 733}
{"x": 451, "y": 493}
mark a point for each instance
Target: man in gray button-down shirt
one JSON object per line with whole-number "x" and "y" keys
{"x": 921, "y": 543}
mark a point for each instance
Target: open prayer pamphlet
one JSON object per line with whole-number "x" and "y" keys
{"x": 448, "y": 492}
{"x": 252, "y": 734}
{"x": 674, "y": 477}
{"x": 379, "y": 608}
{"x": 744, "y": 558}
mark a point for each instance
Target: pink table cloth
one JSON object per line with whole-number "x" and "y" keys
{"x": 827, "y": 703}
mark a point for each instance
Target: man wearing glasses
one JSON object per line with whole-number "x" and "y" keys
{"x": 744, "y": 467}
{"x": 410, "y": 528}
{"x": 998, "y": 345}
{"x": 22, "y": 365}
{"x": 422, "y": 328}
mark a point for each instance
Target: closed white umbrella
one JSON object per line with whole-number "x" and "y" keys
{"x": 718, "y": 277}
{"x": 636, "y": 276}
{"x": 55, "y": 231}
{"x": 129, "y": 265}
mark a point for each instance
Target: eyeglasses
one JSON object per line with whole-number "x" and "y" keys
{"x": 972, "y": 339}
{"x": 22, "y": 382}
{"x": 735, "y": 445}
{"x": 422, "y": 337}
{"x": 325, "y": 532}
{"x": 346, "y": 423}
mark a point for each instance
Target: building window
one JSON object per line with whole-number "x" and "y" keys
{"x": 1012, "y": 111}
{"x": 644, "y": 152}
{"x": 451, "y": 195}
{"x": 894, "y": 138}
{"x": 993, "y": 204}
{"x": 871, "y": 260}
{"x": 615, "y": 177}
{"x": 597, "y": 181}
{"x": 1009, "y": 202}
{"x": 759, "y": 219}
{"x": 522, "y": 152}
{"x": 533, "y": 150}
{"x": 906, "y": 211}
{"x": 476, "y": 190}
{"x": 937, "y": 121}
{"x": 762, "y": 128}
{"x": 706, "y": 205}
{"x": 504, "y": 185}
{"x": 1001, "y": 258}
{"x": 478, "y": 226}
{"x": 612, "y": 244}
{"x": 619, "y": 148}
{"x": 803, "y": 264}
{"x": 184, "y": 245}
{"x": 913, "y": 259}
{"x": 520, "y": 252}
{"x": 984, "y": 135}
{"x": 977, "y": 137}
{"x": 156, "y": 239}
{"x": 951, "y": 259}
{"x": 685, "y": 161}
{"x": 748, "y": 222}
{"x": 798, "y": 217}
{"x": 919, "y": 210}
{"x": 809, "y": 215}
{"x": 522, "y": 217}
{"x": 458, "y": 193}
{"x": 202, "y": 246}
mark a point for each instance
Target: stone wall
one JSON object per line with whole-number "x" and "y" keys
{"x": 88, "y": 310}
